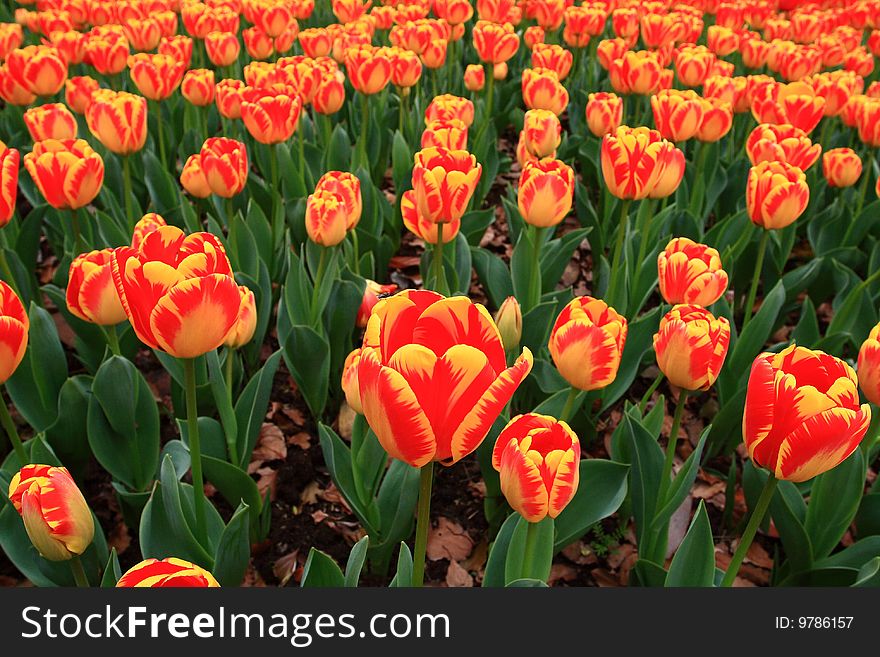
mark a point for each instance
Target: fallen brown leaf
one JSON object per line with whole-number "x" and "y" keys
{"x": 561, "y": 572}
{"x": 270, "y": 446}
{"x": 301, "y": 440}
{"x": 284, "y": 568}
{"x": 448, "y": 541}
{"x": 457, "y": 576}
{"x": 310, "y": 493}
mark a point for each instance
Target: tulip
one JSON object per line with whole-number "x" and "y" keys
{"x": 533, "y": 35}
{"x": 474, "y": 77}
{"x": 841, "y": 167}
{"x": 11, "y": 91}
{"x": 193, "y": 179}
{"x": 868, "y": 122}
{"x": 271, "y": 115}
{"x": 552, "y": 57}
{"x": 420, "y": 347}
{"x": 368, "y": 68}
{"x": 316, "y": 42}
{"x": 869, "y": 366}
{"x": 633, "y": 160}
{"x": 693, "y": 65}
{"x": 155, "y": 76}
{"x": 14, "y": 325}
{"x": 50, "y": 121}
{"x": 450, "y": 134}
{"x": 78, "y": 92}
{"x": 350, "y": 385}
{"x": 448, "y": 106}
{"x": 546, "y": 192}
{"x": 422, "y": 227}
{"x": 406, "y": 68}
{"x": 229, "y": 94}
{"x": 143, "y": 35}
{"x": 167, "y": 573}
{"x": 225, "y": 165}
{"x": 541, "y": 89}
{"x": 717, "y": 120}
{"x": 11, "y": 36}
{"x": 71, "y": 45}
{"x": 796, "y": 103}
{"x": 495, "y": 43}
{"x": 434, "y": 56}
{"x": 9, "y": 160}
{"x": 243, "y": 329}
{"x": 586, "y": 343}
{"x": 55, "y": 514}
{"x": 178, "y": 46}
{"x": 509, "y": 322}
{"x": 39, "y": 69}
{"x": 108, "y": 53}
{"x": 198, "y": 86}
{"x": 690, "y": 273}
{"x": 635, "y": 73}
{"x": 146, "y": 225}
{"x": 325, "y": 218}
{"x": 258, "y": 44}
{"x": 782, "y": 143}
{"x": 91, "y": 294}
{"x": 677, "y": 114}
{"x": 329, "y": 96}
{"x": 444, "y": 182}
{"x": 538, "y": 459}
{"x": 347, "y": 187}
{"x": 609, "y": 50}
{"x": 223, "y": 48}
{"x": 118, "y": 120}
{"x": 68, "y": 173}
{"x": 691, "y": 345}
{"x": 776, "y": 194}
{"x": 542, "y": 131}
{"x": 670, "y": 178}
{"x": 604, "y": 113}
{"x": 372, "y": 290}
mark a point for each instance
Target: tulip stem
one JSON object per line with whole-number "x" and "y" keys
{"x": 126, "y": 190}
{"x": 535, "y": 282}
{"x": 12, "y": 432}
{"x": 79, "y": 573}
{"x": 569, "y": 408}
{"x": 277, "y": 230}
{"x": 529, "y": 550}
{"x": 650, "y": 391}
{"x": 671, "y": 444}
{"x": 423, "y": 522}
{"x": 439, "y": 274}
{"x": 316, "y": 290}
{"x": 77, "y": 232}
{"x": 230, "y": 361}
{"x": 618, "y": 249}
{"x": 7, "y": 271}
{"x": 362, "y": 142}
{"x": 160, "y": 137}
{"x": 748, "y": 536}
{"x": 195, "y": 450}
{"x": 113, "y": 340}
{"x": 753, "y": 290}
{"x": 356, "y": 268}
{"x": 863, "y": 190}
{"x": 644, "y": 221}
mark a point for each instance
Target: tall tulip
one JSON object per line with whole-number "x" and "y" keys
{"x": 14, "y": 325}
{"x": 691, "y": 273}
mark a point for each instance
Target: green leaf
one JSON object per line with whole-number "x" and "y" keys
{"x": 600, "y": 493}
{"x": 834, "y": 501}
{"x": 694, "y": 561}
{"x": 495, "y": 565}
{"x": 493, "y": 274}
{"x": 786, "y": 510}
{"x": 681, "y": 485}
{"x": 639, "y": 341}
{"x": 321, "y": 571}
{"x": 403, "y": 576}
{"x": 751, "y": 341}
{"x": 217, "y": 382}
{"x": 538, "y": 564}
{"x": 112, "y": 571}
{"x": 869, "y": 574}
{"x": 527, "y": 583}
{"x": 233, "y": 551}
{"x": 235, "y": 485}
{"x": 645, "y": 473}
{"x": 307, "y": 355}
{"x": 355, "y": 563}
{"x": 250, "y": 409}
{"x": 396, "y": 503}
{"x": 337, "y": 456}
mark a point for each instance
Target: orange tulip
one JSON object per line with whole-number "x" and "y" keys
{"x": 39, "y": 69}
{"x": 326, "y": 221}
{"x": 348, "y": 11}
{"x": 68, "y": 173}
{"x": 14, "y": 325}
{"x": 610, "y": 50}
{"x": 11, "y": 91}
{"x": 9, "y": 160}
{"x": 677, "y": 114}
{"x": 533, "y": 35}
{"x": 754, "y": 52}
{"x": 495, "y": 43}
{"x": 447, "y": 106}
{"x": 553, "y": 57}
{"x": 836, "y": 88}
{"x": 722, "y": 40}
{"x": 776, "y": 194}
{"x": 193, "y": 179}
{"x": 55, "y": 514}
{"x": 541, "y": 89}
{"x": 444, "y": 182}
{"x": 604, "y": 113}
{"x": 258, "y": 44}
{"x": 178, "y": 46}
{"x": 659, "y": 30}
{"x": 543, "y": 132}
{"x": 717, "y": 120}
{"x": 316, "y": 42}
{"x": 802, "y": 414}
{"x": 198, "y": 86}
{"x": 546, "y": 192}
{"x": 271, "y": 115}
{"x": 868, "y": 122}
{"x": 223, "y": 48}
{"x": 369, "y": 69}
{"x": 146, "y": 225}
{"x": 272, "y": 18}
{"x": 330, "y": 95}
{"x": 372, "y": 292}
{"x": 143, "y": 34}
{"x": 454, "y": 12}
{"x": 228, "y": 96}
{"x": 625, "y": 22}
{"x": 225, "y": 165}
{"x": 841, "y": 167}
{"x": 690, "y": 273}
{"x": 586, "y": 343}
{"x": 869, "y": 366}
{"x": 91, "y": 294}
{"x": 170, "y": 572}
{"x": 118, "y": 120}
{"x": 50, "y": 121}
{"x": 11, "y": 36}
{"x": 782, "y": 143}
{"x": 423, "y": 227}
{"x": 633, "y": 161}
{"x": 108, "y": 53}
{"x": 347, "y": 187}
{"x": 691, "y": 345}
{"x": 538, "y": 459}
{"x": 245, "y": 326}
{"x": 406, "y": 68}
{"x": 421, "y": 347}
{"x": 693, "y": 65}
{"x": 635, "y": 73}
{"x": 70, "y": 44}
{"x": 497, "y": 11}
{"x": 78, "y": 92}
{"x": 434, "y": 56}
{"x": 672, "y": 174}
{"x": 796, "y": 103}
{"x": 474, "y": 77}
{"x": 155, "y": 76}
{"x": 177, "y": 291}
{"x": 350, "y": 384}
{"x": 451, "y": 134}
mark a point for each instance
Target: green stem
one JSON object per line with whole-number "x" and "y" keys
{"x": 535, "y": 283}
{"x": 647, "y": 396}
{"x": 753, "y": 290}
{"x": 7, "y": 271}
{"x": 618, "y": 249}
{"x": 529, "y": 550}
{"x": 568, "y": 409}
{"x": 195, "y": 450}
{"x": 79, "y": 573}
{"x": 160, "y": 136}
{"x": 12, "y": 432}
{"x": 490, "y": 93}
{"x": 671, "y": 444}
{"x": 439, "y": 273}
{"x": 644, "y": 231}
{"x": 356, "y": 265}
{"x": 230, "y": 361}
{"x": 303, "y": 167}
{"x": 401, "y": 114}
{"x": 112, "y": 339}
{"x": 365, "y": 120}
{"x": 748, "y": 536}
{"x": 276, "y": 196}
{"x": 316, "y": 290}
{"x": 327, "y": 127}
{"x": 126, "y": 190}
{"x": 863, "y": 190}
{"x": 423, "y": 523}
{"x": 78, "y": 244}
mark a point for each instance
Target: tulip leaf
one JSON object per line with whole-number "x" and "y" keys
{"x": 337, "y": 456}
{"x": 601, "y": 491}
{"x": 297, "y": 292}
{"x": 495, "y": 565}
{"x": 834, "y": 502}
{"x": 536, "y": 325}
{"x": 868, "y": 518}
{"x": 647, "y": 573}
{"x": 534, "y": 562}
{"x": 869, "y": 574}
{"x": 555, "y": 256}
{"x": 236, "y": 486}
{"x": 69, "y": 435}
{"x": 89, "y": 340}
{"x": 233, "y": 551}
{"x": 786, "y": 511}
{"x": 493, "y": 274}
{"x": 250, "y": 409}
{"x": 694, "y": 561}
{"x": 475, "y": 223}
{"x": 321, "y": 571}
{"x": 307, "y": 355}
{"x": 396, "y": 501}
{"x": 355, "y": 564}
{"x": 112, "y": 571}
{"x": 681, "y": 486}
{"x": 645, "y": 472}
{"x": 403, "y": 576}
{"x": 527, "y": 583}
{"x": 217, "y": 382}
{"x": 639, "y": 341}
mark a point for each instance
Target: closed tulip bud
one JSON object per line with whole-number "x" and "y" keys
{"x": 78, "y": 92}
{"x": 14, "y": 325}
{"x": 841, "y": 167}
{"x": 610, "y": 50}
{"x": 543, "y": 132}
{"x": 178, "y": 46}
{"x": 802, "y": 414}
{"x": 271, "y": 115}
{"x": 690, "y": 273}
{"x": 68, "y": 173}
{"x": 225, "y": 164}
{"x": 495, "y": 43}
{"x": 421, "y": 226}
{"x": 586, "y": 343}
{"x": 721, "y": 40}
{"x": 11, "y": 91}
{"x": 776, "y": 194}
{"x": 70, "y": 44}
{"x": 258, "y": 44}
{"x": 625, "y": 22}
{"x": 166, "y": 573}
{"x": 243, "y": 329}
{"x": 347, "y": 187}
{"x": 434, "y": 56}
{"x": 444, "y": 182}
{"x": 754, "y": 52}
{"x": 329, "y": 96}
{"x": 533, "y": 35}
{"x": 538, "y": 460}
{"x": 448, "y": 106}
{"x": 868, "y": 122}
{"x": 55, "y": 514}
{"x": 717, "y": 120}
{"x": 155, "y": 76}
{"x": 782, "y": 143}
{"x": 635, "y": 73}
{"x": 368, "y": 68}
{"x": 541, "y": 89}
{"x": 691, "y": 345}
{"x": 372, "y": 292}
{"x": 91, "y": 294}
{"x": 546, "y": 191}
{"x": 316, "y": 42}
{"x": 39, "y": 69}
{"x": 50, "y": 121}
{"x": 185, "y": 307}
{"x": 677, "y": 114}
{"x": 118, "y": 120}
{"x": 325, "y": 218}
{"x": 628, "y": 151}
{"x": 672, "y": 173}
{"x": 451, "y": 134}
{"x": 406, "y": 68}
{"x": 350, "y": 385}
{"x": 348, "y": 11}
{"x": 107, "y": 53}
{"x": 146, "y": 225}
{"x": 223, "y": 48}
{"x": 198, "y": 86}
{"x": 11, "y": 36}
{"x": 869, "y": 366}
{"x": 142, "y": 34}
{"x": 509, "y": 321}
{"x": 474, "y": 77}
{"x": 604, "y": 113}
{"x": 228, "y": 96}
{"x": 193, "y": 179}
{"x": 693, "y": 65}
{"x": 553, "y": 57}
{"x": 419, "y": 347}
{"x": 9, "y": 160}
{"x": 453, "y": 12}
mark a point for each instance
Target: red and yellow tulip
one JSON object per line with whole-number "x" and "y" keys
{"x": 118, "y": 120}
{"x": 546, "y": 192}
{"x": 776, "y": 194}
{"x": 91, "y": 293}
{"x": 690, "y": 273}
{"x": 167, "y": 573}
{"x": 841, "y": 167}
{"x": 155, "y": 76}
{"x": 14, "y": 325}
{"x": 444, "y": 182}
{"x": 691, "y": 345}
{"x": 68, "y": 173}
{"x": 225, "y": 165}
{"x": 604, "y": 113}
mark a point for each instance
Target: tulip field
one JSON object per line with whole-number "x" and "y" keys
{"x": 524, "y": 293}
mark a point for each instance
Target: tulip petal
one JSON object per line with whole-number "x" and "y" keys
{"x": 13, "y": 344}
{"x": 523, "y": 485}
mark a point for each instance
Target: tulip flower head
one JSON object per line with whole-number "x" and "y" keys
{"x": 546, "y": 192}
{"x": 776, "y": 194}
{"x": 691, "y": 345}
{"x": 166, "y": 573}
{"x": 604, "y": 113}
{"x": 841, "y": 167}
{"x": 690, "y": 273}
{"x": 444, "y": 182}
{"x": 91, "y": 294}
{"x": 50, "y": 121}
{"x": 225, "y": 165}
{"x": 421, "y": 226}
{"x": 67, "y": 172}
{"x": 509, "y": 321}
{"x": 14, "y": 325}
{"x": 118, "y": 120}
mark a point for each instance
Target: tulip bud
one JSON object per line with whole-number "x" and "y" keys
{"x": 146, "y": 225}
{"x": 604, "y": 113}
{"x": 546, "y": 192}
{"x": 776, "y": 194}
{"x": 55, "y": 514}
{"x": 14, "y": 334}
{"x": 542, "y": 131}
{"x": 228, "y": 96}
{"x": 50, "y": 121}
{"x": 67, "y": 172}
{"x": 165, "y": 573}
{"x": 78, "y": 93}
{"x": 325, "y": 218}
{"x": 243, "y": 330}
{"x": 447, "y": 107}
{"x": 118, "y": 120}
{"x": 39, "y": 69}
{"x": 91, "y": 294}
{"x": 225, "y": 165}
{"x": 155, "y": 76}
{"x": 677, "y": 114}
{"x": 691, "y": 346}
{"x": 537, "y": 458}
{"x": 223, "y": 48}
{"x": 841, "y": 167}
{"x": 541, "y": 89}
{"x": 509, "y": 321}
{"x": 690, "y": 273}
{"x": 350, "y": 385}
{"x": 444, "y": 182}
{"x": 474, "y": 77}
{"x": 198, "y": 86}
